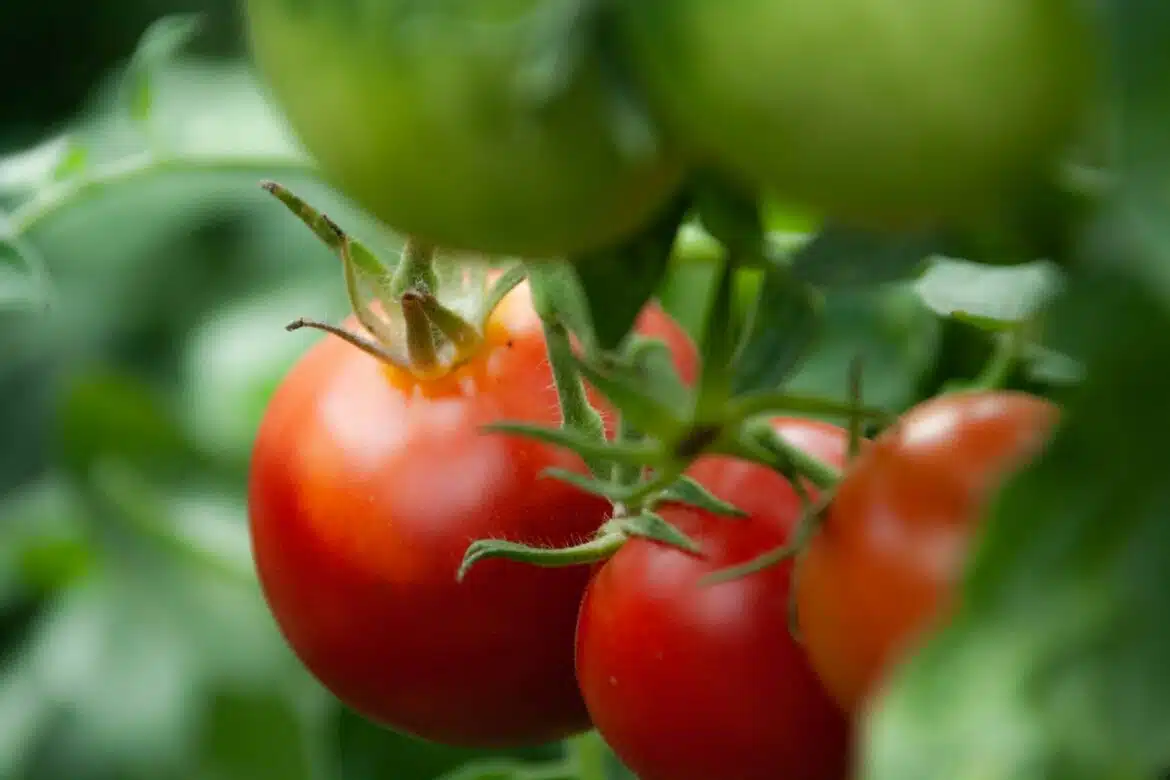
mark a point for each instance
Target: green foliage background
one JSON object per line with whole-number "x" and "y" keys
{"x": 134, "y": 644}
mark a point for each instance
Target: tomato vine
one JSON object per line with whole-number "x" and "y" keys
{"x": 534, "y": 459}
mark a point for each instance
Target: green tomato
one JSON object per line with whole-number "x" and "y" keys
{"x": 892, "y": 113}
{"x": 414, "y": 110}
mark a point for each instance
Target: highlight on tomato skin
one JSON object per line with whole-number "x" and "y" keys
{"x": 366, "y": 488}
{"x": 884, "y": 564}
{"x": 691, "y": 681}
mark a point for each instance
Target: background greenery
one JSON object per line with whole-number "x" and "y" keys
{"x": 133, "y": 640}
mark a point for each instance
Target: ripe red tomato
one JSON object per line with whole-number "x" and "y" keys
{"x": 689, "y": 681}
{"x": 886, "y": 560}
{"x": 367, "y": 486}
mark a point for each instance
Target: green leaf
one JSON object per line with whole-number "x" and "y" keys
{"x": 783, "y": 328}
{"x": 618, "y": 281}
{"x": 840, "y": 256}
{"x": 161, "y": 41}
{"x": 895, "y": 336}
{"x": 1043, "y": 364}
{"x": 633, "y": 453}
{"x": 685, "y": 490}
{"x": 1055, "y": 663}
{"x": 987, "y": 295}
{"x": 649, "y": 525}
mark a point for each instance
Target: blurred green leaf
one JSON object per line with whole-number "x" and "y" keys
{"x": 233, "y": 362}
{"x": 254, "y": 735}
{"x": 116, "y": 415}
{"x": 22, "y": 276}
{"x": 783, "y": 326}
{"x": 367, "y": 751}
{"x": 1139, "y": 91}
{"x": 894, "y": 335}
{"x": 619, "y": 280}
{"x": 1055, "y": 664}
{"x": 31, "y": 169}
{"x": 985, "y": 294}
{"x": 841, "y": 256}
{"x": 161, "y": 41}
{"x": 129, "y": 669}
{"x": 42, "y": 545}
{"x": 1043, "y": 364}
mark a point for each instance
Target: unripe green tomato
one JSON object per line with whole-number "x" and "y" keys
{"x": 886, "y": 113}
{"x": 414, "y": 110}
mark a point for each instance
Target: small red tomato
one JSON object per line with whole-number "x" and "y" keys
{"x": 886, "y": 560}
{"x": 367, "y": 486}
{"x": 691, "y": 681}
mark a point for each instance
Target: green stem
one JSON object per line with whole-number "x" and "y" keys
{"x": 998, "y": 368}
{"x": 95, "y": 183}
{"x": 786, "y": 458}
{"x": 626, "y": 473}
{"x": 577, "y": 414}
{"x": 774, "y": 403}
{"x": 576, "y": 411}
{"x": 415, "y": 271}
{"x": 595, "y": 550}
{"x": 420, "y": 338}
{"x": 856, "y": 398}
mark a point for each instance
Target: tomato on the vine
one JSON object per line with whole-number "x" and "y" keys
{"x": 415, "y": 110}
{"x": 904, "y": 112}
{"x": 367, "y": 486}
{"x": 692, "y": 681}
{"x": 884, "y": 565}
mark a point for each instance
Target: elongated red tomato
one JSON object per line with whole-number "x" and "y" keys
{"x": 688, "y": 681}
{"x": 367, "y": 487}
{"x": 884, "y": 565}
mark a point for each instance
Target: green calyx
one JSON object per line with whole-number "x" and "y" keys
{"x": 404, "y": 321}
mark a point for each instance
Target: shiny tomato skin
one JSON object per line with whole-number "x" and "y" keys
{"x": 885, "y": 562}
{"x": 695, "y": 682}
{"x": 367, "y": 487}
{"x": 415, "y": 111}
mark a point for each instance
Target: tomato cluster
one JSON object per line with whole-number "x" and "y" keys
{"x": 368, "y": 484}
{"x": 541, "y": 128}
{"x": 504, "y": 127}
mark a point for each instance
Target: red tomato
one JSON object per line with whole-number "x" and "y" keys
{"x": 689, "y": 681}
{"x": 886, "y": 560}
{"x": 367, "y": 487}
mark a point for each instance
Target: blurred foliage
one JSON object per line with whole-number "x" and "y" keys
{"x": 133, "y": 639}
